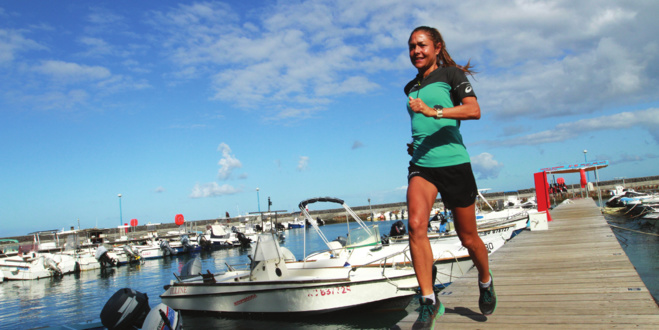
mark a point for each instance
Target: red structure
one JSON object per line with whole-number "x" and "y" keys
{"x": 542, "y": 193}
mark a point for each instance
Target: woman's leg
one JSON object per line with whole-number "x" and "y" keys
{"x": 464, "y": 219}
{"x": 421, "y": 195}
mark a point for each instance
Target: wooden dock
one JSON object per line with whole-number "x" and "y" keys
{"x": 574, "y": 275}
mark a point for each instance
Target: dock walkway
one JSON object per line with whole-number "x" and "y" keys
{"x": 574, "y": 275}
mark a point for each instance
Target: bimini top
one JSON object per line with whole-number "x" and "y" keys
{"x": 576, "y": 167}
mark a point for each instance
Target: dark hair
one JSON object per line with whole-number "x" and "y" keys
{"x": 443, "y": 59}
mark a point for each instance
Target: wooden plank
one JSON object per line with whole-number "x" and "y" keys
{"x": 573, "y": 275}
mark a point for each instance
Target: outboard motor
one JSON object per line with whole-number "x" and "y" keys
{"x": 163, "y": 317}
{"x": 185, "y": 241}
{"x": 244, "y": 241}
{"x": 168, "y": 251}
{"x": 191, "y": 268}
{"x": 131, "y": 253}
{"x": 397, "y": 229}
{"x": 205, "y": 243}
{"x": 126, "y": 309}
{"x": 103, "y": 258}
{"x": 52, "y": 265}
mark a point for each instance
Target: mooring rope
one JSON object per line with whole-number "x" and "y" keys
{"x": 636, "y": 231}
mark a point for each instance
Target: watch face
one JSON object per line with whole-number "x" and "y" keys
{"x": 438, "y": 107}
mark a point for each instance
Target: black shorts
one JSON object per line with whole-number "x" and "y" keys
{"x": 456, "y": 184}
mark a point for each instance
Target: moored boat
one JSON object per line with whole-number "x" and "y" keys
{"x": 269, "y": 287}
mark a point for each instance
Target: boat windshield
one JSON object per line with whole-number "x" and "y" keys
{"x": 267, "y": 248}
{"x": 361, "y": 237}
{"x": 8, "y": 247}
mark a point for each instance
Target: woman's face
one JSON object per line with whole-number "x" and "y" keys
{"x": 423, "y": 52}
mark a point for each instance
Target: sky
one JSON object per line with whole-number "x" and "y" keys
{"x": 187, "y": 107}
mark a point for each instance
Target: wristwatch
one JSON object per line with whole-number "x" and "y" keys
{"x": 440, "y": 110}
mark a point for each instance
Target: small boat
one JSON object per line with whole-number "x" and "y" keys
{"x": 35, "y": 265}
{"x": 628, "y": 197}
{"x": 296, "y": 224}
{"x": 217, "y": 237}
{"x": 270, "y": 288}
{"x": 365, "y": 247}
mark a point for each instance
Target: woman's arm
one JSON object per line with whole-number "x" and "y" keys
{"x": 469, "y": 109}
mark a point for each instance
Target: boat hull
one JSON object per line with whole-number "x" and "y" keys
{"x": 306, "y": 296}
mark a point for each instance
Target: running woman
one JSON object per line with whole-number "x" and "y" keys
{"x": 439, "y": 98}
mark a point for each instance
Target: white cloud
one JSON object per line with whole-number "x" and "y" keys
{"x": 645, "y": 119}
{"x": 13, "y": 42}
{"x": 542, "y": 58}
{"x": 72, "y": 72}
{"x": 303, "y": 163}
{"x": 212, "y": 189}
{"x": 159, "y": 189}
{"x": 53, "y": 100}
{"x": 227, "y": 163}
{"x": 485, "y": 166}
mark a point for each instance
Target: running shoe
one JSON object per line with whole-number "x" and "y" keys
{"x": 488, "y": 299}
{"x": 428, "y": 313}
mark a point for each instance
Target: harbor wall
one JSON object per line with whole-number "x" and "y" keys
{"x": 641, "y": 184}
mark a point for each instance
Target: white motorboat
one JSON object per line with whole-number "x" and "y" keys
{"x": 218, "y": 237}
{"x": 270, "y": 287}
{"x": 36, "y": 265}
{"x": 364, "y": 246}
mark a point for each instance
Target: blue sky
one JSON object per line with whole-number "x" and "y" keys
{"x": 188, "y": 107}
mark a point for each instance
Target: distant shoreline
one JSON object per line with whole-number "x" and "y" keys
{"x": 650, "y": 183}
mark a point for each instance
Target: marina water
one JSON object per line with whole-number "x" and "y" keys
{"x": 80, "y": 297}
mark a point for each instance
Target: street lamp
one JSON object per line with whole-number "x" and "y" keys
{"x": 369, "y": 208}
{"x": 121, "y": 222}
{"x": 623, "y": 180}
{"x": 586, "y": 160}
{"x": 258, "y": 200}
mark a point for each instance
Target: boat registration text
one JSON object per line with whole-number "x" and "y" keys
{"x": 329, "y": 291}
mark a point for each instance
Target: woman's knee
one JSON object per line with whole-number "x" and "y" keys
{"x": 471, "y": 242}
{"x": 417, "y": 228}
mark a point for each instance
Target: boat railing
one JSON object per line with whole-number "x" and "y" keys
{"x": 382, "y": 262}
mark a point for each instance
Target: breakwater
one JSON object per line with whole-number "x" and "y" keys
{"x": 647, "y": 184}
